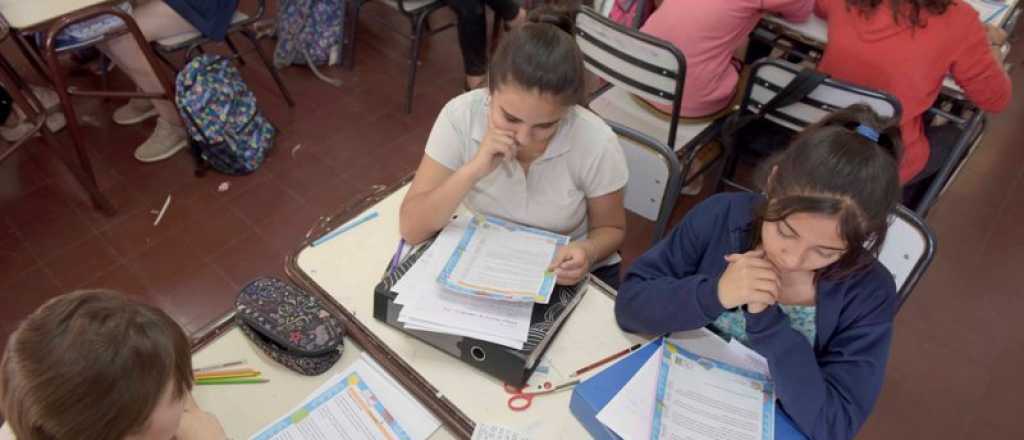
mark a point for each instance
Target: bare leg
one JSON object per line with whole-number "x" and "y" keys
{"x": 156, "y": 20}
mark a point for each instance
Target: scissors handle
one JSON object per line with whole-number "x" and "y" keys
{"x": 520, "y": 402}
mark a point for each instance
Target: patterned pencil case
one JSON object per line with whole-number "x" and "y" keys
{"x": 290, "y": 325}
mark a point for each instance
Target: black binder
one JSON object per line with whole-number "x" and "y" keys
{"x": 508, "y": 364}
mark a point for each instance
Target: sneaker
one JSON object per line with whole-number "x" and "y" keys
{"x": 17, "y": 132}
{"x": 135, "y": 111}
{"x": 166, "y": 140}
{"x": 46, "y": 96}
{"x": 56, "y": 122}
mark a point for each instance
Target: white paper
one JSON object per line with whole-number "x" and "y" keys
{"x": 705, "y": 401}
{"x": 360, "y": 402}
{"x": 629, "y": 413}
{"x": 484, "y": 431}
{"x": 501, "y": 260}
{"x": 988, "y": 10}
{"x": 748, "y": 358}
{"x": 427, "y": 306}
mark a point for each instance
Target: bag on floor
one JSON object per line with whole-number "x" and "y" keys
{"x": 290, "y": 325}
{"x": 310, "y": 32}
{"x": 226, "y": 129}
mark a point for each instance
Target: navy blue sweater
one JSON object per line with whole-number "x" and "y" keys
{"x": 211, "y": 17}
{"x": 828, "y": 389}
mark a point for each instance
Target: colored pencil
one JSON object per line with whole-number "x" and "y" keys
{"x": 218, "y": 366}
{"x": 232, "y": 381}
{"x": 227, "y": 375}
{"x": 605, "y": 360}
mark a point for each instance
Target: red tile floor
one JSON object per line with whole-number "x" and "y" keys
{"x": 952, "y": 371}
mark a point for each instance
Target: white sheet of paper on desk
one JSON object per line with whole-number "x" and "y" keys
{"x": 484, "y": 431}
{"x": 629, "y": 413}
{"x": 748, "y": 358}
{"x": 425, "y": 271}
{"x": 368, "y": 401}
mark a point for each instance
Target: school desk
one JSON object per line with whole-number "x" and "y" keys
{"x": 814, "y": 32}
{"x": 347, "y": 268}
{"x": 50, "y": 18}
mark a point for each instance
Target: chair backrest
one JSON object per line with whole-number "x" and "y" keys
{"x": 770, "y": 75}
{"x": 908, "y": 250}
{"x": 648, "y": 67}
{"x": 654, "y": 177}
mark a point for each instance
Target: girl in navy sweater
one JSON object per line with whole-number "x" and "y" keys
{"x": 791, "y": 271}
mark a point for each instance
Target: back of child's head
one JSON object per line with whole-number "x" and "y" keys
{"x": 542, "y": 56}
{"x": 92, "y": 365}
{"x": 903, "y": 11}
{"x": 845, "y": 165}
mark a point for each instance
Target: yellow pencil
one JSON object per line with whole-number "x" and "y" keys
{"x": 226, "y": 372}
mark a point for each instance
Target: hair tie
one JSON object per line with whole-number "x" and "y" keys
{"x": 869, "y": 133}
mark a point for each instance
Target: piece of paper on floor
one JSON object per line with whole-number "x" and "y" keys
{"x": 484, "y": 431}
{"x": 630, "y": 412}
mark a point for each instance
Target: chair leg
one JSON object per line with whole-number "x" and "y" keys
{"x": 414, "y": 58}
{"x": 270, "y": 67}
{"x": 163, "y": 58}
{"x": 348, "y": 45}
{"x": 85, "y": 173}
{"x": 231, "y": 45}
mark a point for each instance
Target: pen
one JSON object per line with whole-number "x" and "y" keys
{"x": 345, "y": 228}
{"x": 605, "y": 360}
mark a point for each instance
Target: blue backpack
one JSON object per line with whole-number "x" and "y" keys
{"x": 310, "y": 32}
{"x": 226, "y": 130}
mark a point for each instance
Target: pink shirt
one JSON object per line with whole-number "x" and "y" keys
{"x": 708, "y": 33}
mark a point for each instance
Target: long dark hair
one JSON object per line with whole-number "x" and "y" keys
{"x": 909, "y": 10}
{"x": 542, "y": 56}
{"x": 832, "y": 168}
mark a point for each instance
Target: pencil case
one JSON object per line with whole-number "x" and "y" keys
{"x": 290, "y": 325}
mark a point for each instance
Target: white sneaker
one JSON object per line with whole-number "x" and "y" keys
{"x": 166, "y": 140}
{"x": 135, "y": 111}
{"x": 17, "y": 132}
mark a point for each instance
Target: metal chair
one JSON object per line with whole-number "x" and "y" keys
{"x": 908, "y": 250}
{"x": 639, "y": 66}
{"x": 769, "y": 76}
{"x": 654, "y": 177}
{"x": 417, "y": 12}
{"x": 241, "y": 23}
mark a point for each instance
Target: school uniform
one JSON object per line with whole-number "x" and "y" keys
{"x": 877, "y": 52}
{"x": 583, "y": 160}
{"x": 827, "y": 380}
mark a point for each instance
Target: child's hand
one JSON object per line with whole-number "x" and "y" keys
{"x": 571, "y": 264}
{"x": 756, "y": 307}
{"x": 496, "y": 146}
{"x": 996, "y": 35}
{"x": 749, "y": 279}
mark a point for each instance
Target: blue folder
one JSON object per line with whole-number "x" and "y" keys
{"x": 590, "y": 396}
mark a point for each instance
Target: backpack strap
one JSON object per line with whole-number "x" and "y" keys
{"x": 798, "y": 88}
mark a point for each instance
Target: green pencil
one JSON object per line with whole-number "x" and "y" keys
{"x": 231, "y": 381}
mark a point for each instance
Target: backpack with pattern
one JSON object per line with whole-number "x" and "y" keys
{"x": 631, "y": 13}
{"x": 310, "y": 32}
{"x": 226, "y": 129}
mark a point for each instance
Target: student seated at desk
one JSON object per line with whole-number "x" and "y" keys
{"x": 97, "y": 365}
{"x": 525, "y": 150}
{"x": 709, "y": 32}
{"x": 158, "y": 19}
{"x": 791, "y": 272}
{"x": 907, "y": 47}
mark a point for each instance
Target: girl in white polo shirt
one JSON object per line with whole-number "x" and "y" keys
{"x": 524, "y": 150}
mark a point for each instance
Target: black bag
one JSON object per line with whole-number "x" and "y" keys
{"x": 290, "y": 325}
{"x": 751, "y": 137}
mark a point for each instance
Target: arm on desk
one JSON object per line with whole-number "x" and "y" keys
{"x": 663, "y": 291}
{"x": 831, "y": 393}
{"x": 797, "y": 11}
{"x": 978, "y": 70}
{"x": 821, "y": 8}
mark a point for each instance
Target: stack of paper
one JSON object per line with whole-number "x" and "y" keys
{"x": 428, "y": 306}
{"x": 361, "y": 402}
{"x": 675, "y": 385}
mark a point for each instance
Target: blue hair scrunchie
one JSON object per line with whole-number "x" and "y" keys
{"x": 869, "y": 133}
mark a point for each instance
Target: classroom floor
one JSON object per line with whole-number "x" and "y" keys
{"x": 953, "y": 368}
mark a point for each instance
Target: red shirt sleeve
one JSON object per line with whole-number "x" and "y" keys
{"x": 974, "y": 68}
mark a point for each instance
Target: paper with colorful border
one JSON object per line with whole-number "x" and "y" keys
{"x": 672, "y": 350}
{"x": 447, "y": 278}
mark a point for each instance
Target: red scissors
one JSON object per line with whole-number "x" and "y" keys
{"x": 522, "y": 400}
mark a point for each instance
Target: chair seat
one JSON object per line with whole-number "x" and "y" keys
{"x": 411, "y": 5}
{"x": 618, "y": 105}
{"x": 176, "y": 41}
